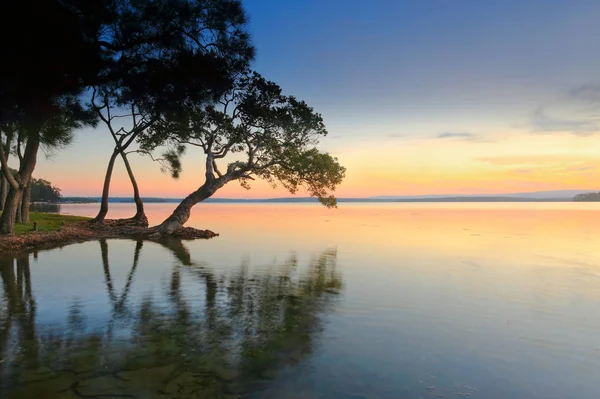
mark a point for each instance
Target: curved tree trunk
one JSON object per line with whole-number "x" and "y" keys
{"x": 25, "y": 203}
{"x": 140, "y": 216}
{"x": 106, "y": 188}
{"x": 181, "y": 214}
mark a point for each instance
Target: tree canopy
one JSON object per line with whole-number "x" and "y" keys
{"x": 264, "y": 133}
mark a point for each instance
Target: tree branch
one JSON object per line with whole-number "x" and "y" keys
{"x": 214, "y": 163}
{"x": 210, "y": 174}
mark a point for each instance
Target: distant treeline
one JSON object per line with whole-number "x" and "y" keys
{"x": 589, "y": 197}
{"x": 41, "y": 191}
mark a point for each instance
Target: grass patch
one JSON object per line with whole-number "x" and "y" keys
{"x": 46, "y": 222}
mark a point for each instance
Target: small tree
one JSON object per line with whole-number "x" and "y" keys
{"x": 53, "y": 130}
{"x": 272, "y": 136}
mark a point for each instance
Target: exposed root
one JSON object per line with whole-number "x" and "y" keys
{"x": 86, "y": 231}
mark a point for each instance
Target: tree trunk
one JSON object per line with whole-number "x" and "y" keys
{"x": 106, "y": 188}
{"x": 13, "y": 200}
{"x": 4, "y": 185}
{"x": 3, "y": 189}
{"x": 140, "y": 216}
{"x": 25, "y": 203}
{"x": 181, "y": 214}
{"x": 9, "y": 214}
{"x": 19, "y": 214}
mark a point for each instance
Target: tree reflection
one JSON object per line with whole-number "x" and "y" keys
{"x": 204, "y": 336}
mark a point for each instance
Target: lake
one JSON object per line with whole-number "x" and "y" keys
{"x": 295, "y": 301}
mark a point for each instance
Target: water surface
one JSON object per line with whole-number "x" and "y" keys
{"x": 297, "y": 301}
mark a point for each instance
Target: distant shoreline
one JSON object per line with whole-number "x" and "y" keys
{"x": 68, "y": 200}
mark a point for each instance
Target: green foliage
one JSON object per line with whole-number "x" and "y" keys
{"x": 47, "y": 63}
{"x": 169, "y": 52}
{"x": 46, "y": 222}
{"x": 277, "y": 134}
{"x": 43, "y": 191}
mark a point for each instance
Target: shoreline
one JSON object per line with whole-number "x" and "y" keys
{"x": 83, "y": 231}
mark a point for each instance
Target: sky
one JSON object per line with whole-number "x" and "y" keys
{"x": 419, "y": 97}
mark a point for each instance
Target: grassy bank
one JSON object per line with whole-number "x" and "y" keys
{"x": 57, "y": 230}
{"x": 47, "y": 222}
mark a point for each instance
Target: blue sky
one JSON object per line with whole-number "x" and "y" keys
{"x": 395, "y": 79}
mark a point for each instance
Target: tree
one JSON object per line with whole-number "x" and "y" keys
{"x": 42, "y": 84}
{"x": 587, "y": 197}
{"x": 53, "y": 129}
{"x": 43, "y": 191}
{"x": 167, "y": 52}
{"x": 276, "y": 136}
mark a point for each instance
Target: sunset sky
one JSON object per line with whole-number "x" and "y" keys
{"x": 419, "y": 97}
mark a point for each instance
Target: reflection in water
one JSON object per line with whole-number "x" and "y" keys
{"x": 44, "y": 207}
{"x": 227, "y": 337}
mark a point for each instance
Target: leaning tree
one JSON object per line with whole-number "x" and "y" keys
{"x": 262, "y": 132}
{"x": 167, "y": 53}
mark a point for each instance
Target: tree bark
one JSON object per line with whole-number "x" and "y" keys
{"x": 106, "y": 188}
{"x": 4, "y": 186}
{"x": 28, "y": 162}
{"x": 9, "y": 214}
{"x": 25, "y": 203}
{"x": 19, "y": 214}
{"x": 181, "y": 214}
{"x": 3, "y": 189}
{"x": 140, "y": 216}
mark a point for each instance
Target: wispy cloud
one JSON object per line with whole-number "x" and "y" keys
{"x": 542, "y": 122}
{"x": 448, "y": 135}
{"x": 464, "y": 136}
{"x": 531, "y": 160}
{"x": 577, "y": 112}
{"x": 588, "y": 92}
{"x": 396, "y": 135}
{"x": 581, "y": 168}
{"x": 526, "y": 165}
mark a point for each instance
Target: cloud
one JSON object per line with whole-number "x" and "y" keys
{"x": 580, "y": 168}
{"x": 577, "y": 112}
{"x": 531, "y": 160}
{"x": 542, "y": 122}
{"x": 589, "y": 92}
{"x": 447, "y": 135}
{"x": 396, "y": 135}
{"x": 463, "y": 136}
{"x": 528, "y": 164}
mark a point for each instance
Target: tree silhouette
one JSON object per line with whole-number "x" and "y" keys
{"x": 271, "y": 136}
{"x": 177, "y": 51}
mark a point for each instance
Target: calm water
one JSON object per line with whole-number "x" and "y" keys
{"x": 296, "y": 301}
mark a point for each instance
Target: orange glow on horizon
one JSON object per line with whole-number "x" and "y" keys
{"x": 518, "y": 163}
